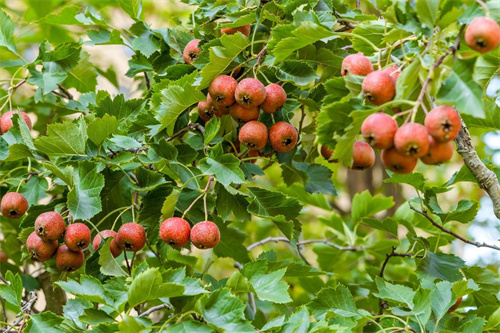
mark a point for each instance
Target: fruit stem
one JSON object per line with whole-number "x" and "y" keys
{"x": 111, "y": 213}
{"x": 349, "y": 34}
{"x": 199, "y": 197}
{"x": 485, "y": 7}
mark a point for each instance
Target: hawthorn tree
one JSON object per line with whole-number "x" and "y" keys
{"x": 257, "y": 207}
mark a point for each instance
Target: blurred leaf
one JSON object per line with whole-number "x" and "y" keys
{"x": 442, "y": 266}
{"x": 7, "y": 32}
{"x": 45, "y": 322}
{"x": 83, "y": 77}
{"x": 84, "y": 201}
{"x": 266, "y": 284}
{"x": 366, "y": 205}
{"x": 427, "y": 11}
{"x": 338, "y": 300}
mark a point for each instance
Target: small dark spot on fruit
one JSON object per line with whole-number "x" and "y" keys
{"x": 13, "y": 212}
{"x": 81, "y": 244}
{"x": 287, "y": 142}
{"x": 128, "y": 246}
{"x": 447, "y": 126}
{"x": 171, "y": 242}
{"x": 209, "y": 114}
{"x": 69, "y": 269}
{"x": 413, "y": 150}
{"x": 250, "y": 144}
{"x": 247, "y": 100}
{"x": 40, "y": 230}
{"x": 219, "y": 98}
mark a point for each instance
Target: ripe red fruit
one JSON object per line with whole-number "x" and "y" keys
{"x": 67, "y": 260}
{"x": 77, "y": 236}
{"x": 439, "y": 152}
{"x": 206, "y": 111}
{"x": 456, "y": 305}
{"x": 191, "y": 51}
{"x": 283, "y": 136}
{"x": 6, "y": 121}
{"x": 222, "y": 90}
{"x": 253, "y": 153}
{"x": 356, "y": 64}
{"x": 378, "y": 88}
{"x": 245, "y": 30}
{"x": 13, "y": 205}
{"x": 253, "y": 135}
{"x": 131, "y": 237}
{"x": 243, "y": 115}
{"x": 205, "y": 235}
{"x": 115, "y": 250}
{"x": 327, "y": 154}
{"x": 412, "y": 140}
{"x": 275, "y": 98}
{"x": 393, "y": 72}
{"x": 363, "y": 156}
{"x": 217, "y": 109}
{"x": 49, "y": 226}
{"x": 40, "y": 250}
{"x": 443, "y": 123}
{"x": 379, "y": 129}
{"x": 396, "y": 162}
{"x": 175, "y": 231}
{"x": 3, "y": 256}
{"x": 250, "y": 93}
{"x": 482, "y": 34}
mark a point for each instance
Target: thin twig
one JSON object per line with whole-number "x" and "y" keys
{"x": 204, "y": 192}
{"x": 126, "y": 261}
{"x": 156, "y": 308}
{"x": 302, "y": 117}
{"x": 457, "y": 236}
{"x": 65, "y": 91}
{"x": 304, "y": 242}
{"x": 482, "y": 4}
{"x": 148, "y": 84}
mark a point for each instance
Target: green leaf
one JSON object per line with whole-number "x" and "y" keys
{"x": 231, "y": 244}
{"x": 66, "y": 16}
{"x": 223, "y": 310}
{"x": 442, "y": 266}
{"x": 7, "y": 28}
{"x": 145, "y": 42}
{"x": 131, "y": 7}
{"x": 104, "y": 37}
{"x": 485, "y": 67}
{"x": 89, "y": 288}
{"x": 125, "y": 142}
{"x": 34, "y": 190}
{"x": 395, "y": 292}
{"x": 308, "y": 33}
{"x": 267, "y": 285}
{"x": 225, "y": 168}
{"x": 44, "y": 322}
{"x": 338, "y": 300}
{"x": 66, "y": 138}
{"x": 366, "y": 205}
{"x": 389, "y": 224}
{"x": 211, "y": 129}
{"x": 299, "y": 321}
{"x": 297, "y": 72}
{"x": 271, "y": 204}
{"x": 493, "y": 320}
{"x": 100, "y": 128}
{"x": 148, "y": 285}
{"x": 13, "y": 292}
{"x": 472, "y": 326}
{"x": 95, "y": 317}
{"x": 374, "y": 31}
{"x": 168, "y": 208}
{"x": 221, "y": 57}
{"x": 415, "y": 179}
{"x": 118, "y": 107}
{"x": 461, "y": 90}
{"x": 109, "y": 265}
{"x": 67, "y": 175}
{"x": 84, "y": 199}
{"x": 83, "y": 77}
{"x": 427, "y": 11}
{"x": 228, "y": 203}
{"x": 189, "y": 326}
{"x": 239, "y": 283}
{"x": 441, "y": 299}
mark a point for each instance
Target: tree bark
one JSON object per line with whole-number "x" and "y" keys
{"x": 55, "y": 297}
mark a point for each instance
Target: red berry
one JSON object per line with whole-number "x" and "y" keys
{"x": 250, "y": 93}
{"x": 439, "y": 152}
{"x": 191, "y": 51}
{"x": 77, "y": 236}
{"x": 245, "y": 30}
{"x": 217, "y": 109}
{"x": 275, "y": 98}
{"x": 222, "y": 90}
{"x": 49, "y": 226}
{"x": 6, "y": 121}
{"x": 14, "y": 205}
{"x": 379, "y": 130}
{"x": 243, "y": 115}
{"x": 393, "y": 72}
{"x": 412, "y": 140}
{"x": 3, "y": 257}
{"x": 396, "y": 162}
{"x": 378, "y": 88}
{"x": 40, "y": 250}
{"x": 363, "y": 156}
{"x": 253, "y": 135}
{"x": 67, "y": 260}
{"x": 131, "y": 237}
{"x": 456, "y": 305}
{"x": 327, "y": 153}
{"x": 482, "y": 34}
{"x": 206, "y": 111}
{"x": 356, "y": 64}
{"x": 283, "y": 136}
{"x": 443, "y": 123}
{"x": 175, "y": 231}
{"x": 115, "y": 250}
{"x": 205, "y": 235}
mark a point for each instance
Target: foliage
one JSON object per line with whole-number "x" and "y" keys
{"x": 107, "y": 157}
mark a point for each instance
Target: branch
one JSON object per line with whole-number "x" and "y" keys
{"x": 190, "y": 126}
{"x": 66, "y": 92}
{"x": 437, "y": 225}
{"x": 25, "y": 310}
{"x": 148, "y": 84}
{"x": 485, "y": 177}
{"x": 156, "y": 308}
{"x": 304, "y": 242}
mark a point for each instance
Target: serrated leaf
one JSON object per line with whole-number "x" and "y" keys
{"x": 89, "y": 288}
{"x": 104, "y": 37}
{"x": 148, "y": 285}
{"x": 66, "y": 138}
{"x": 267, "y": 285}
{"x": 366, "y": 205}
{"x": 427, "y": 11}
{"x": 441, "y": 299}
{"x": 83, "y": 77}
{"x": 84, "y": 200}
{"x": 338, "y": 300}
{"x": 225, "y": 168}
{"x": 395, "y": 292}
{"x": 7, "y": 32}
{"x": 297, "y": 72}
{"x": 442, "y": 266}
{"x": 45, "y": 322}
{"x": 100, "y": 128}
{"x": 228, "y": 203}
{"x": 109, "y": 265}
{"x": 211, "y": 129}
{"x": 189, "y": 326}
{"x": 415, "y": 179}
{"x": 145, "y": 42}
{"x": 271, "y": 203}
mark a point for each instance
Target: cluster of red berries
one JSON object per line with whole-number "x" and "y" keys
{"x": 401, "y": 147}
{"x": 6, "y": 121}
{"x": 176, "y": 232}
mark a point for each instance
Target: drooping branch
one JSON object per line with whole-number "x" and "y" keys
{"x": 304, "y": 242}
{"x": 457, "y": 236}
{"x": 156, "y": 308}
{"x": 484, "y": 176}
